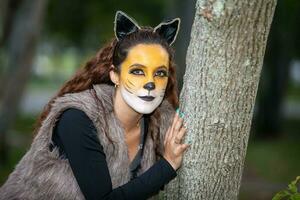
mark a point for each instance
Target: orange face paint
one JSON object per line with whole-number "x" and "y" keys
{"x": 144, "y": 76}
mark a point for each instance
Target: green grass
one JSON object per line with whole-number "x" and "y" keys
{"x": 275, "y": 160}
{"x": 24, "y": 124}
{"x": 22, "y": 131}
{"x": 293, "y": 92}
{"x": 15, "y": 155}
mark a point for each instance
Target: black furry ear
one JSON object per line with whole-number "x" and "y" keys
{"x": 124, "y": 25}
{"x": 168, "y": 29}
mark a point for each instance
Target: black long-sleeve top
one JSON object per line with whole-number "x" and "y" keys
{"x": 75, "y": 135}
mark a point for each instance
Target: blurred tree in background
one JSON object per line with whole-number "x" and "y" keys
{"x": 21, "y": 29}
{"x": 282, "y": 50}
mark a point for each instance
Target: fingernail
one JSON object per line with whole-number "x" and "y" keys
{"x": 181, "y": 114}
{"x": 177, "y": 110}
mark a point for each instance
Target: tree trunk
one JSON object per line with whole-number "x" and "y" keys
{"x": 224, "y": 62}
{"x": 21, "y": 45}
{"x": 8, "y": 10}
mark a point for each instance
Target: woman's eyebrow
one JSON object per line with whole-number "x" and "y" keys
{"x": 137, "y": 65}
{"x": 163, "y": 67}
{"x": 140, "y": 65}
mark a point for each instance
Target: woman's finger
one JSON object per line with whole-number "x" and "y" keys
{"x": 178, "y": 124}
{"x": 167, "y": 136}
{"x": 181, "y": 133}
{"x": 183, "y": 147}
{"x": 175, "y": 118}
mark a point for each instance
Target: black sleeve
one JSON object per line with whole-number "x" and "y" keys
{"x": 76, "y": 136}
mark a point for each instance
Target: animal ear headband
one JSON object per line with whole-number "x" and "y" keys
{"x": 124, "y": 25}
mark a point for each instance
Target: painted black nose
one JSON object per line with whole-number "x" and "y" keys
{"x": 149, "y": 86}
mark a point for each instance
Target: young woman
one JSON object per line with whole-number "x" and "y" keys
{"x": 111, "y": 132}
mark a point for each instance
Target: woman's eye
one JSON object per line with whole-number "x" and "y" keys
{"x": 137, "y": 72}
{"x": 161, "y": 73}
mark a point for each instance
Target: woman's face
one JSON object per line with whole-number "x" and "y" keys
{"x": 144, "y": 77}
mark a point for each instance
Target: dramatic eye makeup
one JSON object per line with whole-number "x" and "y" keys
{"x": 137, "y": 70}
{"x": 161, "y": 73}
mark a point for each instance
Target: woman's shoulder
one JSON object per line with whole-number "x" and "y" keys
{"x": 75, "y": 118}
{"x": 82, "y": 101}
{"x": 73, "y": 114}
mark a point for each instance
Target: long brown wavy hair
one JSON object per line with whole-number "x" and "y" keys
{"x": 96, "y": 71}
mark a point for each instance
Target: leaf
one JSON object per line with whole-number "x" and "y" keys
{"x": 296, "y": 180}
{"x": 295, "y": 197}
{"x": 280, "y": 195}
{"x": 292, "y": 186}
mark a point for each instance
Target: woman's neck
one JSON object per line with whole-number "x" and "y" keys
{"x": 127, "y": 116}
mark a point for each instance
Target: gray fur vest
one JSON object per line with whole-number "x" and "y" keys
{"x": 42, "y": 174}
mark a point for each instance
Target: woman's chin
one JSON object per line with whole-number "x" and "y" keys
{"x": 140, "y": 105}
{"x": 142, "y": 108}
{"x": 145, "y": 111}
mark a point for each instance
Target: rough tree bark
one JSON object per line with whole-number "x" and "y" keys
{"x": 224, "y": 62}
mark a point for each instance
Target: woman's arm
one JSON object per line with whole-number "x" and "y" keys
{"x": 76, "y": 137}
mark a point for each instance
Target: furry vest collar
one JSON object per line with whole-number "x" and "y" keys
{"x": 41, "y": 174}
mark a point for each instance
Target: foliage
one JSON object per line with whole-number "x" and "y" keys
{"x": 290, "y": 193}
{"x": 90, "y": 23}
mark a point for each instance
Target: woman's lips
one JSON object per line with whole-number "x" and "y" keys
{"x": 147, "y": 98}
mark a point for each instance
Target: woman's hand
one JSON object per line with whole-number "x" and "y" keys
{"x": 172, "y": 144}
